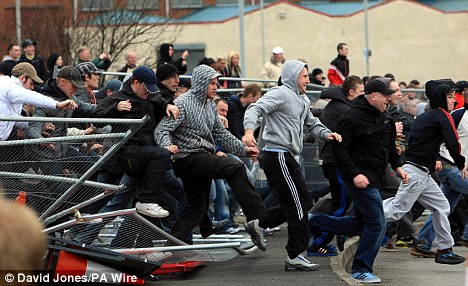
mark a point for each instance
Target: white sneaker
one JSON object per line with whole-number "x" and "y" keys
{"x": 151, "y": 209}
{"x": 299, "y": 263}
{"x": 232, "y": 230}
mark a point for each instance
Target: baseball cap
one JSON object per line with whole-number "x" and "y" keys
{"x": 86, "y": 68}
{"x": 114, "y": 85}
{"x": 72, "y": 74}
{"x": 28, "y": 42}
{"x": 147, "y": 77}
{"x": 277, "y": 50}
{"x": 379, "y": 85}
{"x": 165, "y": 71}
{"x": 26, "y": 69}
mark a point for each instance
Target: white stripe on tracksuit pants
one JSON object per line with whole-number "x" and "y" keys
{"x": 284, "y": 175}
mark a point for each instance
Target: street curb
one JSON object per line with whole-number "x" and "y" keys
{"x": 338, "y": 263}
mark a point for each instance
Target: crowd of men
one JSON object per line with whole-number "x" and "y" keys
{"x": 192, "y": 152}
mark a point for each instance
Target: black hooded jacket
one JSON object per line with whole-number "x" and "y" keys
{"x": 368, "y": 143}
{"x": 330, "y": 117}
{"x": 432, "y": 128}
{"x": 164, "y": 58}
{"x": 154, "y": 106}
{"x": 38, "y": 63}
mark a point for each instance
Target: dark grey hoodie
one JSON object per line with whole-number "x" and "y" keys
{"x": 285, "y": 113}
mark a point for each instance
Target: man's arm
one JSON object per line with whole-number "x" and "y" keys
{"x": 109, "y": 107}
{"x": 394, "y": 158}
{"x": 84, "y": 109}
{"x": 268, "y": 103}
{"x": 224, "y": 138}
{"x": 341, "y": 149}
{"x": 19, "y": 94}
{"x": 34, "y": 130}
{"x": 315, "y": 126}
{"x": 162, "y": 133}
{"x": 451, "y": 141}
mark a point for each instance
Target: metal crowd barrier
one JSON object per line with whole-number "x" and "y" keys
{"x": 54, "y": 172}
{"x": 61, "y": 186}
{"x": 313, "y": 91}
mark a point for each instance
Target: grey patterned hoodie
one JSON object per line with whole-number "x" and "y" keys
{"x": 198, "y": 127}
{"x": 285, "y": 113}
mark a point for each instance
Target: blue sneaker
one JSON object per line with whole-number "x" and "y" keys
{"x": 328, "y": 250}
{"x": 366, "y": 277}
{"x": 448, "y": 257}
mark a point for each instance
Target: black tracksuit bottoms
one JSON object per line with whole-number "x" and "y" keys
{"x": 196, "y": 171}
{"x": 284, "y": 175}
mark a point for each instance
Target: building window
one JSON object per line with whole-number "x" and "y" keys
{"x": 93, "y": 5}
{"x": 142, "y": 4}
{"x": 184, "y": 4}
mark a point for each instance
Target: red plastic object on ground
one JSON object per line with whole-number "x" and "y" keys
{"x": 21, "y": 198}
{"x": 177, "y": 267}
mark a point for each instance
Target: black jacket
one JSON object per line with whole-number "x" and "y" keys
{"x": 126, "y": 69}
{"x": 330, "y": 117}
{"x": 235, "y": 116}
{"x": 164, "y": 58}
{"x": 154, "y": 106}
{"x": 10, "y": 64}
{"x": 399, "y": 117}
{"x": 342, "y": 63}
{"x": 432, "y": 128}
{"x": 39, "y": 65}
{"x": 368, "y": 143}
{"x": 167, "y": 95}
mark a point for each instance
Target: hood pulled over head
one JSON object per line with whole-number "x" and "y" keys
{"x": 290, "y": 74}
{"x": 201, "y": 77}
{"x": 437, "y": 92}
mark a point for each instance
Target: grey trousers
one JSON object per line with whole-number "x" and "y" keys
{"x": 422, "y": 188}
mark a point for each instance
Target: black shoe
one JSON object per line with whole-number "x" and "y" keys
{"x": 340, "y": 241}
{"x": 420, "y": 252}
{"x": 256, "y": 234}
{"x": 448, "y": 257}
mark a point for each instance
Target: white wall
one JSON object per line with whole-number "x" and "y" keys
{"x": 410, "y": 40}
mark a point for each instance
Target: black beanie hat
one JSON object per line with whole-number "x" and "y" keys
{"x": 165, "y": 71}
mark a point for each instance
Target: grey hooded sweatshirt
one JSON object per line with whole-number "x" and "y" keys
{"x": 285, "y": 113}
{"x": 198, "y": 126}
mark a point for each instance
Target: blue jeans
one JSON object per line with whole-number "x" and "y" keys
{"x": 453, "y": 186}
{"x": 220, "y": 201}
{"x": 368, "y": 222}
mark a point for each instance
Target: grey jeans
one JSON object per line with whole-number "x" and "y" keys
{"x": 422, "y": 188}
